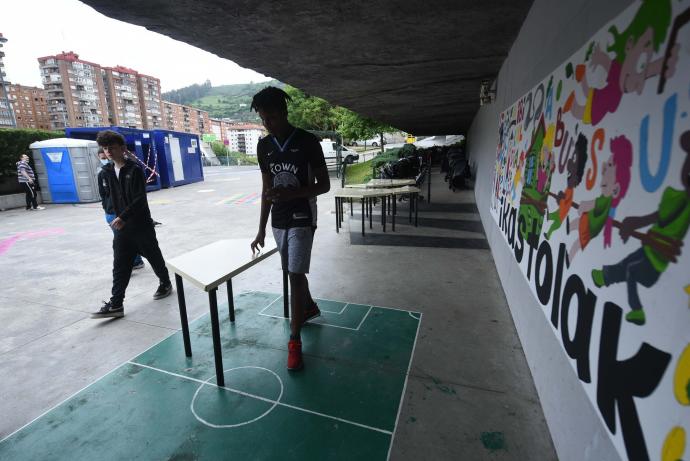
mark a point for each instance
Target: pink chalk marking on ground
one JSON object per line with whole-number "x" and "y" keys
{"x": 9, "y": 242}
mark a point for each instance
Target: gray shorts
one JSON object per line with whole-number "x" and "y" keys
{"x": 294, "y": 245}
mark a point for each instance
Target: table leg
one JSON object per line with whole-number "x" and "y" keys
{"x": 416, "y": 208}
{"x": 393, "y": 214}
{"x": 215, "y": 332}
{"x": 428, "y": 182}
{"x": 183, "y": 316}
{"x": 410, "y": 206}
{"x": 352, "y": 213}
{"x": 362, "y": 216}
{"x": 383, "y": 213}
{"x": 231, "y": 301}
{"x": 286, "y": 301}
{"x": 371, "y": 212}
{"x": 337, "y": 219}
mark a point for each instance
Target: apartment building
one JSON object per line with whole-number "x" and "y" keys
{"x": 75, "y": 91}
{"x": 244, "y": 137}
{"x": 29, "y": 105}
{"x": 178, "y": 117}
{"x": 6, "y": 114}
{"x": 122, "y": 96}
{"x": 150, "y": 101}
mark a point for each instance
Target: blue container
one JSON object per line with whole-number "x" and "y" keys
{"x": 179, "y": 157}
{"x": 139, "y": 142}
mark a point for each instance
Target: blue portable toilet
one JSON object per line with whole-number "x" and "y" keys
{"x": 139, "y": 142}
{"x": 179, "y": 157}
{"x": 67, "y": 170}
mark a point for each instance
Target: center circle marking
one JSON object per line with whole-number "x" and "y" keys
{"x": 225, "y": 426}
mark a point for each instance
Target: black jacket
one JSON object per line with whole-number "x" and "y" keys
{"x": 125, "y": 197}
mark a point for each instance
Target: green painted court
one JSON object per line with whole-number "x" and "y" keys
{"x": 162, "y": 405}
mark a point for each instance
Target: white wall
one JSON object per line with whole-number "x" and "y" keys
{"x": 552, "y": 31}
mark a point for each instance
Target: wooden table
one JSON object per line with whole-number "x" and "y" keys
{"x": 209, "y": 267}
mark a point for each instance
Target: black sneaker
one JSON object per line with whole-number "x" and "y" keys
{"x": 108, "y": 311}
{"x": 163, "y": 291}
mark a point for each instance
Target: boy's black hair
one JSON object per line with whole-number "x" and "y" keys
{"x": 270, "y": 98}
{"x": 110, "y": 138}
{"x": 581, "y": 152}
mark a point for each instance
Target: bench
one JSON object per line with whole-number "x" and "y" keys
{"x": 209, "y": 267}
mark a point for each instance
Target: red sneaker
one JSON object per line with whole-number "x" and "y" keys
{"x": 311, "y": 313}
{"x": 295, "y": 355}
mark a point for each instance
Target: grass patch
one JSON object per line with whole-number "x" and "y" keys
{"x": 358, "y": 173}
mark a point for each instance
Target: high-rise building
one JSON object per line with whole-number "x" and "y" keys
{"x": 29, "y": 105}
{"x": 75, "y": 91}
{"x": 150, "y": 101}
{"x": 7, "y": 119}
{"x": 122, "y": 96}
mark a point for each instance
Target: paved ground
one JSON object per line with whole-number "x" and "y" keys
{"x": 469, "y": 394}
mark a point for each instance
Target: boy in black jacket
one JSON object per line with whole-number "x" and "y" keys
{"x": 123, "y": 183}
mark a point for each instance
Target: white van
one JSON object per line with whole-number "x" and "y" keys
{"x": 329, "y": 152}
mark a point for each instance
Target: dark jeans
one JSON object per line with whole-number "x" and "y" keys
{"x": 109, "y": 218}
{"x": 134, "y": 239}
{"x": 634, "y": 268}
{"x": 30, "y": 190}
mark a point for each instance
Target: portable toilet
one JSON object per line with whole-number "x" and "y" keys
{"x": 67, "y": 170}
{"x": 179, "y": 157}
{"x": 138, "y": 142}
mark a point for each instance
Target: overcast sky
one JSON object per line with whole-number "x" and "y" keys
{"x": 36, "y": 28}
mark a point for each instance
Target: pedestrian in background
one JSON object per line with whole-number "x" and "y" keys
{"x": 27, "y": 178}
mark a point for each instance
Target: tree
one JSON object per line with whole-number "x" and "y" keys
{"x": 310, "y": 112}
{"x": 313, "y": 113}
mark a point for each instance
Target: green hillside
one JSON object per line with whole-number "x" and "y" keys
{"x": 226, "y": 101}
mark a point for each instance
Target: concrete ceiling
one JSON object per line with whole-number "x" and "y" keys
{"x": 416, "y": 65}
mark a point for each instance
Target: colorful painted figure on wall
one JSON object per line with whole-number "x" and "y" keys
{"x": 660, "y": 245}
{"x": 630, "y": 68}
{"x": 598, "y": 214}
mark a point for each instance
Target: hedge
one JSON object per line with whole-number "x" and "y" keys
{"x": 13, "y": 143}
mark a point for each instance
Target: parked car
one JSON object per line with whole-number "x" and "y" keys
{"x": 329, "y": 153}
{"x": 373, "y": 142}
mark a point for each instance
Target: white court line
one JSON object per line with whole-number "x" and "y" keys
{"x": 86, "y": 387}
{"x": 313, "y": 323}
{"x": 380, "y": 307}
{"x": 402, "y": 396}
{"x": 264, "y": 399}
{"x": 333, "y": 312}
{"x": 269, "y": 305}
{"x": 364, "y": 318}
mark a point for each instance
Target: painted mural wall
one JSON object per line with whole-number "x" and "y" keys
{"x": 591, "y": 191}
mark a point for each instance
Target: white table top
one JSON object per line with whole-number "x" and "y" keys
{"x": 360, "y": 193}
{"x": 212, "y": 265}
{"x": 379, "y": 183}
{"x": 405, "y": 190}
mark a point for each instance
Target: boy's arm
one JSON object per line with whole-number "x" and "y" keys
{"x": 265, "y": 210}
{"x": 101, "y": 189}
